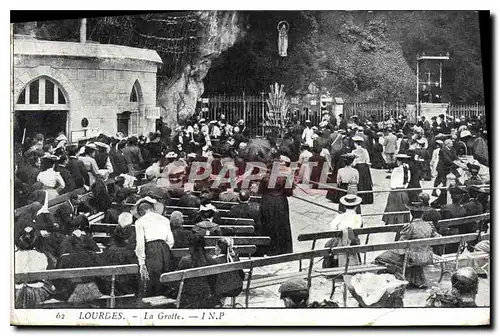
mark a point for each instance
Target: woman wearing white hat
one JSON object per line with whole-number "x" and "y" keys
{"x": 154, "y": 239}
{"x": 52, "y": 181}
{"x": 345, "y": 222}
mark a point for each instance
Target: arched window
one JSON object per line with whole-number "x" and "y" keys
{"x": 134, "y": 95}
{"x": 42, "y": 94}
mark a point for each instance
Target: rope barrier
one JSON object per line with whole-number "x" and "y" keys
{"x": 317, "y": 204}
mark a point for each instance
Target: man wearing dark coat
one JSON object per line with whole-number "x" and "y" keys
{"x": 445, "y": 164}
{"x": 77, "y": 168}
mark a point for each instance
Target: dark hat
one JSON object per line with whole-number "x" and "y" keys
{"x": 473, "y": 167}
{"x": 424, "y": 198}
{"x": 456, "y": 190}
{"x": 417, "y": 206}
{"x": 296, "y": 286}
{"x": 348, "y": 156}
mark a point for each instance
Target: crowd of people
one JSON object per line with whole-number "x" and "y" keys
{"x": 149, "y": 171}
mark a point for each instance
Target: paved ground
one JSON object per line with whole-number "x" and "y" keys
{"x": 306, "y": 217}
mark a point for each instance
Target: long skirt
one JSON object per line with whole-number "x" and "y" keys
{"x": 275, "y": 219}
{"x": 29, "y": 295}
{"x": 394, "y": 261}
{"x": 413, "y": 194}
{"x": 397, "y": 201}
{"x": 158, "y": 261}
{"x": 334, "y": 195}
{"x": 365, "y": 182}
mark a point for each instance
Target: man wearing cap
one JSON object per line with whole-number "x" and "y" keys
{"x": 295, "y": 294}
{"x": 307, "y": 134}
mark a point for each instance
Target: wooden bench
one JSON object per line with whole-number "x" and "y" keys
{"x": 311, "y": 255}
{"x": 229, "y": 229}
{"x": 387, "y": 228}
{"x": 84, "y": 272}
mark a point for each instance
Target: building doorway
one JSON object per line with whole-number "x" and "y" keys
{"x": 30, "y": 123}
{"x": 123, "y": 122}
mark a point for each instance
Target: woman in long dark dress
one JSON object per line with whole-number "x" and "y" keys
{"x": 121, "y": 252}
{"x": 362, "y": 165}
{"x": 227, "y": 284}
{"x": 275, "y": 214}
{"x": 377, "y": 160}
{"x": 398, "y": 197}
{"x": 197, "y": 292}
{"x": 415, "y": 176}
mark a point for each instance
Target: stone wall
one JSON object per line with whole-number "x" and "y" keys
{"x": 96, "y": 79}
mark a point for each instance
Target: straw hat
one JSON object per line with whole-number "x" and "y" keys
{"x": 171, "y": 155}
{"x": 101, "y": 145}
{"x": 402, "y": 156}
{"x": 157, "y": 206}
{"x": 465, "y": 133}
{"x": 91, "y": 146}
{"x": 285, "y": 159}
{"x": 350, "y": 200}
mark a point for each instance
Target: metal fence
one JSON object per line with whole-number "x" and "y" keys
{"x": 253, "y": 110}
{"x": 466, "y": 110}
{"x": 376, "y": 111}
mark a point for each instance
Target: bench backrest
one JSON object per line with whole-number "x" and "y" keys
{"x": 72, "y": 273}
{"x": 266, "y": 261}
{"x": 103, "y": 271}
{"x": 209, "y": 240}
{"x": 236, "y": 229}
{"x": 390, "y": 228}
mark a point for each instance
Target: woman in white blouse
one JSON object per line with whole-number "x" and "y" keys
{"x": 154, "y": 241}
{"x": 362, "y": 164}
{"x": 52, "y": 181}
{"x": 398, "y": 197}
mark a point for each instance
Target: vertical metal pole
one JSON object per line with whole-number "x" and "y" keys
{"x": 244, "y": 109}
{"x": 263, "y": 113}
{"x": 417, "y": 105}
{"x": 440, "y": 74}
{"x": 112, "y": 302}
{"x": 83, "y": 30}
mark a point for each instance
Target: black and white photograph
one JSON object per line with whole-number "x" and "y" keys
{"x": 263, "y": 167}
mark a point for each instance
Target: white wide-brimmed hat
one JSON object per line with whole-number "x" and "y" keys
{"x": 171, "y": 155}
{"x": 157, "y": 206}
{"x": 350, "y": 200}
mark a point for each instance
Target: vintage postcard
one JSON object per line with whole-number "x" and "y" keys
{"x": 251, "y": 168}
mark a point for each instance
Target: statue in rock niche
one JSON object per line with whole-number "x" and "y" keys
{"x": 283, "y": 28}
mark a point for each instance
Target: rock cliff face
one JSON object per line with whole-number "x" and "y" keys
{"x": 178, "y": 97}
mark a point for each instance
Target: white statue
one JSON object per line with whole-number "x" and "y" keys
{"x": 283, "y": 38}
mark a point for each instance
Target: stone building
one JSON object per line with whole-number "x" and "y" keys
{"x": 82, "y": 89}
